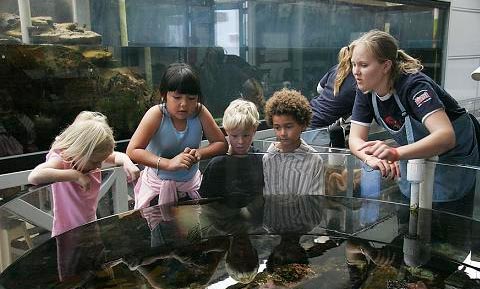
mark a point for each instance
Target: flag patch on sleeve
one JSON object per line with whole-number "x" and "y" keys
{"x": 421, "y": 97}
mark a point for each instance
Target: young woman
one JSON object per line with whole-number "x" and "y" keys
{"x": 419, "y": 115}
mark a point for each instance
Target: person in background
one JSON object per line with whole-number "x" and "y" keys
{"x": 334, "y": 103}
{"x": 418, "y": 114}
{"x": 167, "y": 140}
{"x": 73, "y": 164}
{"x": 290, "y": 165}
{"x": 239, "y": 173}
{"x": 336, "y": 92}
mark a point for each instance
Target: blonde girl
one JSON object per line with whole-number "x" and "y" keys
{"x": 167, "y": 140}
{"x": 72, "y": 165}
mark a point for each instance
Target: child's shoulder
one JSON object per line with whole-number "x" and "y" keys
{"x": 157, "y": 108}
{"x": 306, "y": 148}
{"x": 54, "y": 154}
{"x": 155, "y": 112}
{"x": 54, "y": 157}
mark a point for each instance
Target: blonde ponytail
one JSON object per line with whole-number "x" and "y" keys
{"x": 408, "y": 64}
{"x": 343, "y": 69}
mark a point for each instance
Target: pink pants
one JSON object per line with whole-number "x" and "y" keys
{"x": 149, "y": 186}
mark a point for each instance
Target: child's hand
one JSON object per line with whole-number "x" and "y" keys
{"x": 83, "y": 181}
{"x": 193, "y": 152}
{"x": 131, "y": 170}
{"x": 182, "y": 161}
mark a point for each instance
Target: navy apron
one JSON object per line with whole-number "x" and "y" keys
{"x": 451, "y": 183}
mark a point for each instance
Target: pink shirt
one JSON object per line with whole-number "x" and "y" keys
{"x": 73, "y": 207}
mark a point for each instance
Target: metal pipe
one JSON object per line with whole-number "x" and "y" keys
{"x": 426, "y": 187}
{"x": 25, "y": 19}
{"x": 122, "y": 11}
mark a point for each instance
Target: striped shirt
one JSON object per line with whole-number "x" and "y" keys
{"x": 298, "y": 173}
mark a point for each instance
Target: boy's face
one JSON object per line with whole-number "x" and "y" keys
{"x": 240, "y": 140}
{"x": 287, "y": 131}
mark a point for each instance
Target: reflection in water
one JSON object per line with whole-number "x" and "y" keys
{"x": 305, "y": 242}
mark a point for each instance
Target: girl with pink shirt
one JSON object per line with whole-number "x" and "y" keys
{"x": 73, "y": 166}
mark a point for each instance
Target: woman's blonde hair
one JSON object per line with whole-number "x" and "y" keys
{"x": 344, "y": 67}
{"x": 242, "y": 114}
{"x": 384, "y": 47}
{"x": 89, "y": 135}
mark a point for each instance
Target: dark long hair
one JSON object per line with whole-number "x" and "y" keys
{"x": 182, "y": 78}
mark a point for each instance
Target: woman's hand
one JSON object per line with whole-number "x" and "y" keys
{"x": 380, "y": 149}
{"x": 388, "y": 169}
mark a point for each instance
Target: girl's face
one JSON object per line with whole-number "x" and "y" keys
{"x": 240, "y": 140}
{"x": 287, "y": 131}
{"x": 181, "y": 106}
{"x": 370, "y": 74}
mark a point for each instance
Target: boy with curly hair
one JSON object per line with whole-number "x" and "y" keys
{"x": 290, "y": 165}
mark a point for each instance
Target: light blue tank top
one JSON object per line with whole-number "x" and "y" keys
{"x": 167, "y": 142}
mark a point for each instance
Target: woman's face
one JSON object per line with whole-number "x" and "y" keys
{"x": 370, "y": 73}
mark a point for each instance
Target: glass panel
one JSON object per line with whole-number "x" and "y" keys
{"x": 109, "y": 55}
{"x": 26, "y": 215}
{"x": 277, "y": 241}
{"x": 363, "y": 219}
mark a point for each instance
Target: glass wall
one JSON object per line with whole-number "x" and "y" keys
{"x": 59, "y": 57}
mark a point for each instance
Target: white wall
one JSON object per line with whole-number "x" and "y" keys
{"x": 463, "y": 49}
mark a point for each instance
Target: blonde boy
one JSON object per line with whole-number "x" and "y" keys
{"x": 240, "y": 172}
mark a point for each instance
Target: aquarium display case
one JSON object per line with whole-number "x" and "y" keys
{"x": 59, "y": 57}
{"x": 349, "y": 228}
{"x": 275, "y": 241}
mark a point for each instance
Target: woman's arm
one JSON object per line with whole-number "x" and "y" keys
{"x": 357, "y": 138}
{"x": 217, "y": 142}
{"x": 360, "y": 147}
{"x": 440, "y": 140}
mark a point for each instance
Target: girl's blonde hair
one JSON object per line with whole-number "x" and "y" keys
{"x": 344, "y": 67}
{"x": 242, "y": 114}
{"x": 89, "y": 135}
{"x": 384, "y": 47}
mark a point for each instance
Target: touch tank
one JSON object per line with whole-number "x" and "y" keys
{"x": 358, "y": 235}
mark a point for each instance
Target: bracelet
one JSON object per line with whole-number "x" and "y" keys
{"x": 158, "y": 163}
{"x": 394, "y": 153}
